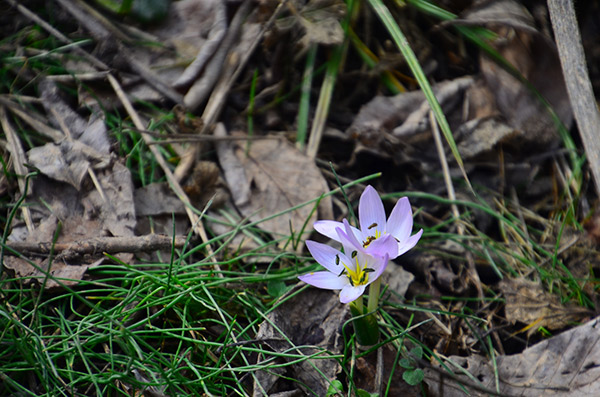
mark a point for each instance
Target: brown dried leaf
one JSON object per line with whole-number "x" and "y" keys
{"x": 64, "y": 162}
{"x": 565, "y": 365}
{"x": 68, "y": 274}
{"x": 91, "y": 132}
{"x": 319, "y": 21}
{"x": 528, "y": 303}
{"x": 312, "y": 317}
{"x": 482, "y": 135}
{"x": 404, "y": 115}
{"x": 270, "y": 179}
{"x": 106, "y": 209}
{"x": 535, "y": 56}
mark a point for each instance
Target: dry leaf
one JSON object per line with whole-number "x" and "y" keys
{"x": 528, "y": 303}
{"x": 71, "y": 215}
{"x": 535, "y": 56}
{"x": 564, "y": 365}
{"x": 318, "y": 22}
{"x": 482, "y": 135}
{"x": 91, "y": 132}
{"x": 312, "y": 317}
{"x": 65, "y": 162}
{"x": 68, "y": 274}
{"x": 271, "y": 178}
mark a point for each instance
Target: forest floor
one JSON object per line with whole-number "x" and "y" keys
{"x": 164, "y": 163}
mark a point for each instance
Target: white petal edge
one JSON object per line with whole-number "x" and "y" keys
{"x": 350, "y": 293}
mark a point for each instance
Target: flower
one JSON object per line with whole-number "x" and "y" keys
{"x": 350, "y": 274}
{"x": 374, "y": 227}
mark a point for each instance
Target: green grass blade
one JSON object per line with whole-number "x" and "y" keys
{"x": 386, "y": 17}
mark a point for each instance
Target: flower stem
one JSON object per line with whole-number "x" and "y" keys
{"x": 365, "y": 327}
{"x": 358, "y": 304}
{"x": 374, "y": 295}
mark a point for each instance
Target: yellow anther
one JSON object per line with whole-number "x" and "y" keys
{"x": 359, "y": 276}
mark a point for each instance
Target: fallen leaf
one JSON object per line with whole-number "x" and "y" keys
{"x": 481, "y": 136}
{"x": 567, "y": 364}
{"x": 62, "y": 116}
{"x": 318, "y": 21}
{"x": 310, "y": 319}
{"x": 535, "y": 56}
{"x": 528, "y": 303}
{"x": 270, "y": 178}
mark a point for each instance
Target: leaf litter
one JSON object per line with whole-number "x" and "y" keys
{"x": 81, "y": 179}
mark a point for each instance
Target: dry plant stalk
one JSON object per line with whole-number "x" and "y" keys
{"x": 579, "y": 87}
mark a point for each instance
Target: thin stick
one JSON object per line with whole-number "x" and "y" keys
{"x": 19, "y": 159}
{"x": 48, "y": 28}
{"x": 452, "y": 196}
{"x": 579, "y": 87}
{"x": 111, "y": 245}
{"x": 194, "y": 219}
{"x": 216, "y": 100}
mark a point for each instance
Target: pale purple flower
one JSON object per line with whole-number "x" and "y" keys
{"x": 374, "y": 227}
{"x": 349, "y": 273}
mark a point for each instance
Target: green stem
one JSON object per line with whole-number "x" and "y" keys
{"x": 374, "y": 295}
{"x": 365, "y": 327}
{"x": 358, "y": 305}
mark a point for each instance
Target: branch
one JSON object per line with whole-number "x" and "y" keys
{"x": 98, "y": 245}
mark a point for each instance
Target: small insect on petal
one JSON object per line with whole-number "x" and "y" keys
{"x": 372, "y": 226}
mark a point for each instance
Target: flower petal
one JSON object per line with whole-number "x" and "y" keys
{"x": 386, "y": 245}
{"x": 326, "y": 256}
{"x": 349, "y": 239}
{"x": 379, "y": 265}
{"x": 409, "y": 243}
{"x": 371, "y": 212}
{"x": 400, "y": 222}
{"x": 350, "y": 293}
{"x": 327, "y": 228}
{"x": 324, "y": 280}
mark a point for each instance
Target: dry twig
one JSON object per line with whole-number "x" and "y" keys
{"x": 579, "y": 87}
{"x": 110, "y": 245}
{"x": 195, "y": 220}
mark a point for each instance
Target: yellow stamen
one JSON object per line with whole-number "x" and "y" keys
{"x": 359, "y": 276}
{"x": 370, "y": 239}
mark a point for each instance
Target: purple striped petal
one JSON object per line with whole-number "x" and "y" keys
{"x": 400, "y": 222}
{"x": 371, "y": 212}
{"x": 326, "y": 256}
{"x": 324, "y": 280}
{"x": 327, "y": 228}
{"x": 404, "y": 246}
